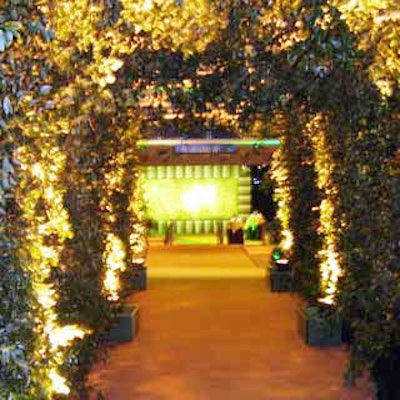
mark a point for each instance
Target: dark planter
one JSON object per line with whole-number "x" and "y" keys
{"x": 125, "y": 326}
{"x": 235, "y": 237}
{"x": 281, "y": 280}
{"x": 138, "y": 278}
{"x": 319, "y": 326}
{"x": 385, "y": 373}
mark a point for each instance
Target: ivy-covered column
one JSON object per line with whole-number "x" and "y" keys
{"x": 298, "y": 200}
{"x": 118, "y": 186}
{"x": 131, "y": 209}
{"x": 282, "y": 197}
{"x": 16, "y": 336}
{"x": 370, "y": 292}
{"x": 138, "y": 234}
{"x": 36, "y": 222}
{"x": 325, "y": 144}
{"x": 40, "y": 197}
{"x": 15, "y": 323}
{"x": 113, "y": 206}
{"x": 81, "y": 285}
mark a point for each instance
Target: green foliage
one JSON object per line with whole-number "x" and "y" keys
{"x": 16, "y": 336}
{"x": 274, "y": 231}
{"x": 362, "y": 134}
{"x": 305, "y": 198}
{"x": 81, "y": 89}
{"x": 15, "y": 325}
{"x": 370, "y": 290}
{"x": 9, "y": 31}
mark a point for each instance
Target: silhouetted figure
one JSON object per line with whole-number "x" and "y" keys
{"x": 235, "y": 231}
{"x": 169, "y": 234}
{"x": 220, "y": 233}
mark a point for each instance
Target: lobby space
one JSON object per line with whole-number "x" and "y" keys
{"x": 211, "y": 329}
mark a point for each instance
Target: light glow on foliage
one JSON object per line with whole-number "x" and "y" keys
{"x": 63, "y": 335}
{"x": 58, "y": 383}
{"x": 282, "y": 196}
{"x": 329, "y": 258}
{"x": 114, "y": 257}
{"x": 376, "y": 23}
{"x": 42, "y": 255}
{"x": 77, "y": 52}
{"x": 138, "y": 236}
{"x": 277, "y": 22}
{"x": 138, "y": 242}
{"x": 188, "y": 25}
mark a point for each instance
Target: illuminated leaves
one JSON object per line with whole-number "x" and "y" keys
{"x": 115, "y": 263}
{"x": 282, "y": 197}
{"x": 7, "y": 106}
{"x": 41, "y": 199}
{"x": 187, "y": 26}
{"x": 329, "y": 223}
{"x": 77, "y": 74}
{"x": 15, "y": 287}
{"x": 9, "y": 31}
{"x": 376, "y": 23}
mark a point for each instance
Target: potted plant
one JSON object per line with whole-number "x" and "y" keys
{"x": 319, "y": 325}
{"x": 280, "y": 273}
{"x": 125, "y": 325}
{"x": 137, "y": 277}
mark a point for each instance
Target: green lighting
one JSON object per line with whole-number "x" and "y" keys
{"x": 261, "y": 143}
{"x": 235, "y": 142}
{"x": 191, "y": 199}
{"x": 276, "y": 254}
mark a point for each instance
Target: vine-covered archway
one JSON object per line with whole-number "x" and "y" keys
{"x": 82, "y": 81}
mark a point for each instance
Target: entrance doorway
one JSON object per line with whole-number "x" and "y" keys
{"x": 203, "y": 192}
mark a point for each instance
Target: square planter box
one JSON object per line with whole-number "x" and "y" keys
{"x": 137, "y": 278}
{"x": 319, "y": 328}
{"x": 280, "y": 280}
{"x": 126, "y": 325}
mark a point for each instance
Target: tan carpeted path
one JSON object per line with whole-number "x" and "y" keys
{"x": 210, "y": 329}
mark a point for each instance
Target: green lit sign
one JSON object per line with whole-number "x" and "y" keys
{"x": 204, "y": 148}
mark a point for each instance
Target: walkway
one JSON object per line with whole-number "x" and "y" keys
{"x": 211, "y": 330}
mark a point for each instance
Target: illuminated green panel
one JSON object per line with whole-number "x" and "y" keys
{"x": 191, "y": 199}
